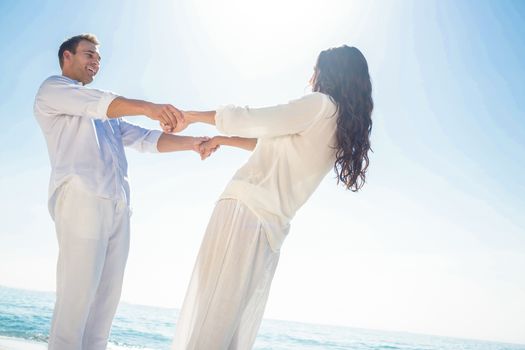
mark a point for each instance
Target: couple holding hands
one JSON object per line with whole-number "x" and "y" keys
{"x": 294, "y": 146}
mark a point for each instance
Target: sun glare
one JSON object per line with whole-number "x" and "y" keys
{"x": 258, "y": 36}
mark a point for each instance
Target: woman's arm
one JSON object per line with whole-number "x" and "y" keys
{"x": 190, "y": 117}
{"x": 234, "y": 141}
{"x": 173, "y": 143}
{"x": 207, "y": 117}
{"x": 208, "y": 147}
{"x": 285, "y": 119}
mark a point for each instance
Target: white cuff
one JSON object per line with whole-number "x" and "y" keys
{"x": 151, "y": 140}
{"x": 103, "y": 104}
{"x": 220, "y": 118}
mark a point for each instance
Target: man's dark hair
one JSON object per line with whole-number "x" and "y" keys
{"x": 72, "y": 43}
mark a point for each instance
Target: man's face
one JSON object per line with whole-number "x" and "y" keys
{"x": 84, "y": 64}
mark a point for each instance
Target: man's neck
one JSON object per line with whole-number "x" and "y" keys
{"x": 66, "y": 74}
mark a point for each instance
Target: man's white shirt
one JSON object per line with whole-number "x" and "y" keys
{"x": 83, "y": 142}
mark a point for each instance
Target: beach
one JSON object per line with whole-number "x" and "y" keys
{"x": 8, "y": 343}
{"x": 20, "y": 344}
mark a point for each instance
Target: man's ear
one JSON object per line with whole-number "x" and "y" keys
{"x": 67, "y": 55}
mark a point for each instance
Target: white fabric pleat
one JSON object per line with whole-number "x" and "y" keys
{"x": 231, "y": 280}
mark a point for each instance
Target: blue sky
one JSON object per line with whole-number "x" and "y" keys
{"x": 435, "y": 243}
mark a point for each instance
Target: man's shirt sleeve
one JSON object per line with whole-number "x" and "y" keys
{"x": 138, "y": 138}
{"x": 58, "y": 96}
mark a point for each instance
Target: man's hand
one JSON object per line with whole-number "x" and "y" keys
{"x": 207, "y": 147}
{"x": 182, "y": 123}
{"x": 170, "y": 118}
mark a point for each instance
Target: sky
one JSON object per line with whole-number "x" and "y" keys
{"x": 435, "y": 241}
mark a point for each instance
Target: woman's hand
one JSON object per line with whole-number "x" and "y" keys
{"x": 197, "y": 142}
{"x": 181, "y": 124}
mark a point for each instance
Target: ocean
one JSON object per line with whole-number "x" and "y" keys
{"x": 25, "y": 315}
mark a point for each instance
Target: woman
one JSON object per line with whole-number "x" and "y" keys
{"x": 295, "y": 145}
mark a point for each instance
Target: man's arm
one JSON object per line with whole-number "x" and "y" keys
{"x": 59, "y": 96}
{"x": 164, "y": 113}
{"x": 173, "y": 143}
{"x": 153, "y": 141}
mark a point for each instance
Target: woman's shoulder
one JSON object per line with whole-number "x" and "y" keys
{"x": 324, "y": 102}
{"x": 314, "y": 95}
{"x": 313, "y": 99}
{"x": 320, "y": 98}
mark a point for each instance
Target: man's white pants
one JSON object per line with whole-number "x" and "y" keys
{"x": 93, "y": 240}
{"x": 231, "y": 280}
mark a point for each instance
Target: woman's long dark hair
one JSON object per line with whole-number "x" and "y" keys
{"x": 342, "y": 73}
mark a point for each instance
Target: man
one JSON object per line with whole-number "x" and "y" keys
{"x": 89, "y": 192}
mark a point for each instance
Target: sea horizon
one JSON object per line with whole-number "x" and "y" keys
{"x": 25, "y": 316}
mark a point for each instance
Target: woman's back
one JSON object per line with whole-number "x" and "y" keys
{"x": 284, "y": 170}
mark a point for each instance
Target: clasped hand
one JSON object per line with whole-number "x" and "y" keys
{"x": 170, "y": 118}
{"x": 205, "y": 146}
{"x": 173, "y": 120}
